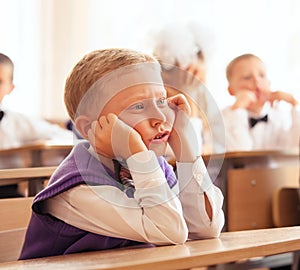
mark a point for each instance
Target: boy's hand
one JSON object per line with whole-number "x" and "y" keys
{"x": 112, "y": 138}
{"x": 244, "y": 99}
{"x": 183, "y": 139}
{"x": 179, "y": 102}
{"x": 279, "y": 95}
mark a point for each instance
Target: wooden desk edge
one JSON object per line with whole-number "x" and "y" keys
{"x": 38, "y": 146}
{"x": 258, "y": 153}
{"x": 23, "y": 173}
{"x": 192, "y": 254}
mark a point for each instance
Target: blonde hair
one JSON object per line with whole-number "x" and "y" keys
{"x": 94, "y": 66}
{"x": 232, "y": 63}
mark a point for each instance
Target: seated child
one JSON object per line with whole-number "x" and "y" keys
{"x": 183, "y": 52}
{"x": 17, "y": 129}
{"x": 116, "y": 189}
{"x": 259, "y": 118}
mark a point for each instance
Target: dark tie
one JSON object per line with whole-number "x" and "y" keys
{"x": 123, "y": 175}
{"x": 1, "y": 115}
{"x": 254, "y": 121}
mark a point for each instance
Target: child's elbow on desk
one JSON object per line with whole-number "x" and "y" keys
{"x": 173, "y": 235}
{"x": 208, "y": 230}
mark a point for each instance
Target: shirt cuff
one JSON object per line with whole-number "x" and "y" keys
{"x": 195, "y": 171}
{"x": 145, "y": 169}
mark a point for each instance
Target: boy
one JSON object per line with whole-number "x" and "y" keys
{"x": 17, "y": 129}
{"x": 259, "y": 119}
{"x": 118, "y": 103}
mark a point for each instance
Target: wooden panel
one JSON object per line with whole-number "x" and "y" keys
{"x": 286, "y": 207}
{"x": 250, "y": 192}
{"x": 15, "y": 212}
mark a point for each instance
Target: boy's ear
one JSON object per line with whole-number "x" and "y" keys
{"x": 10, "y": 89}
{"x": 83, "y": 125}
{"x": 231, "y": 91}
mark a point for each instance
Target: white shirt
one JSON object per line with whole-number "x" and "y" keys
{"x": 17, "y": 129}
{"x": 280, "y": 132}
{"x": 156, "y": 214}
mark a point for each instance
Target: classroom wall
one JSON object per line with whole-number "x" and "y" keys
{"x": 46, "y": 38}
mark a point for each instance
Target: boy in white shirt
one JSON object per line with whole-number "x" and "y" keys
{"x": 116, "y": 189}
{"x": 17, "y": 129}
{"x": 259, "y": 118}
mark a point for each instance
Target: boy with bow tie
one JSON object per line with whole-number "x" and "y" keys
{"x": 259, "y": 119}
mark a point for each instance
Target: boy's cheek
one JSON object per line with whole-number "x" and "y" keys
{"x": 131, "y": 119}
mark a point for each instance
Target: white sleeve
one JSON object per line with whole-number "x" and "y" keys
{"x": 194, "y": 181}
{"x": 154, "y": 215}
{"x": 237, "y": 133}
{"x": 26, "y": 129}
{"x": 46, "y": 130}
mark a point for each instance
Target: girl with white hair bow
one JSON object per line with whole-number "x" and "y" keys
{"x": 182, "y": 50}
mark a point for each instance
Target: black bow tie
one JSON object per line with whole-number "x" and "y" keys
{"x": 254, "y": 121}
{"x": 123, "y": 175}
{"x": 1, "y": 115}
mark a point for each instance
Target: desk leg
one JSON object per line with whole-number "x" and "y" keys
{"x": 36, "y": 158}
{"x": 219, "y": 177}
{"x": 296, "y": 260}
{"x": 35, "y": 186}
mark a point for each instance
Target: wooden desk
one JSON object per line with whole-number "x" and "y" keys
{"x": 240, "y": 159}
{"x": 218, "y": 164}
{"x": 230, "y": 247}
{"x": 42, "y": 153}
{"x": 34, "y": 175}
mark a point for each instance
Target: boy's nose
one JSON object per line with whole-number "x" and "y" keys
{"x": 157, "y": 115}
{"x": 257, "y": 84}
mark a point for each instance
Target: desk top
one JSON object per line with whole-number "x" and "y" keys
{"x": 256, "y": 153}
{"x": 40, "y": 153}
{"x": 26, "y": 173}
{"x": 245, "y": 155}
{"x": 231, "y": 246}
{"x": 39, "y": 145}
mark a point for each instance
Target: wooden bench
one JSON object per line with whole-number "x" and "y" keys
{"x": 230, "y": 247}
{"x": 11, "y": 242}
{"x": 34, "y": 175}
{"x": 15, "y": 212}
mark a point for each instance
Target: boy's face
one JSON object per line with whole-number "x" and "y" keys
{"x": 145, "y": 108}
{"x": 6, "y": 85}
{"x": 249, "y": 74}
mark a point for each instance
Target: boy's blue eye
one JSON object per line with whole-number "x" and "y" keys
{"x": 162, "y": 102}
{"x": 138, "y": 106}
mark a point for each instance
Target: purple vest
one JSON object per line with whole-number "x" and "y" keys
{"x": 49, "y": 236}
